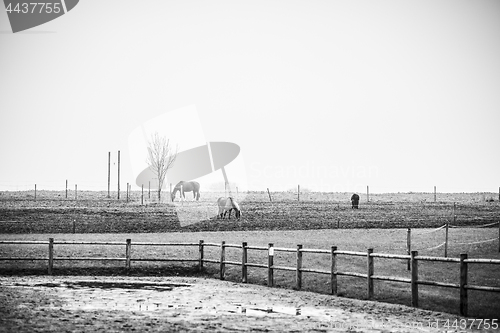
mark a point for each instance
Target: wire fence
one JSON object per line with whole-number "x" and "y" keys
{"x": 446, "y": 243}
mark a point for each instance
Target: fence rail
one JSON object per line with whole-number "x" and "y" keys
{"x": 333, "y": 271}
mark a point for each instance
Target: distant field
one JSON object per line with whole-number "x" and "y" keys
{"x": 93, "y": 212}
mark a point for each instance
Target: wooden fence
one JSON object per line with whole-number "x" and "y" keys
{"x": 333, "y": 271}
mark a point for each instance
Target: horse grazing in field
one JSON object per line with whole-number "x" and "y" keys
{"x": 227, "y": 205}
{"x": 355, "y": 201}
{"x": 183, "y": 187}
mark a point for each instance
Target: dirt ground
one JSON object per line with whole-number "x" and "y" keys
{"x": 184, "y": 304}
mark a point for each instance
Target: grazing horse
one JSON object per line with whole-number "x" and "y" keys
{"x": 187, "y": 187}
{"x": 355, "y": 201}
{"x": 227, "y": 205}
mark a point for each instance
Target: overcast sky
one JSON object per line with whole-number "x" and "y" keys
{"x": 332, "y": 95}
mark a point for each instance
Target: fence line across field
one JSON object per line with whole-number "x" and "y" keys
{"x": 446, "y": 242}
{"x": 333, "y": 271}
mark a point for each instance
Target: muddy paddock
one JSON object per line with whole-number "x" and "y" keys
{"x": 182, "y": 304}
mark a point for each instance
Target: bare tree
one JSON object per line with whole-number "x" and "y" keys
{"x": 160, "y": 158}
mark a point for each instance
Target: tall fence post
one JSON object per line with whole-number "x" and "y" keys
{"x": 51, "y": 256}
{"x": 127, "y": 192}
{"x": 142, "y": 194}
{"x": 118, "y": 175}
{"x": 367, "y": 193}
{"x": 446, "y": 241}
{"x": 298, "y": 192}
{"x": 434, "y": 193}
{"x": 269, "y": 193}
{"x": 369, "y": 273}
{"x": 128, "y": 253}
{"x": 222, "y": 259}
{"x": 76, "y": 192}
{"x": 270, "y": 263}
{"x": 35, "y": 192}
{"x": 333, "y": 271}
{"x": 109, "y": 173}
{"x": 298, "y": 275}
{"x": 463, "y": 285}
{"x": 414, "y": 279}
{"x": 408, "y": 247}
{"x": 66, "y": 189}
{"x": 200, "y": 255}
{"x": 244, "y": 259}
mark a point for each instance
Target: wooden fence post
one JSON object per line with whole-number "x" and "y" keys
{"x": 76, "y": 192}
{"x": 128, "y": 253}
{"x": 35, "y": 192}
{"x": 434, "y": 193}
{"x": 127, "y": 192}
{"x": 200, "y": 255}
{"x": 270, "y": 263}
{"x": 333, "y": 271}
{"x": 298, "y": 275}
{"x": 142, "y": 194}
{"x": 408, "y": 247}
{"x": 269, "y": 193}
{"x": 51, "y": 255}
{"x": 66, "y": 189}
{"x": 367, "y": 193}
{"x": 244, "y": 259}
{"x": 222, "y": 259}
{"x": 446, "y": 241}
{"x": 414, "y": 279}
{"x": 463, "y": 285}
{"x": 109, "y": 173}
{"x": 369, "y": 273}
{"x": 118, "y": 175}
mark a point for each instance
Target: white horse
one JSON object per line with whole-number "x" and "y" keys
{"x": 227, "y": 205}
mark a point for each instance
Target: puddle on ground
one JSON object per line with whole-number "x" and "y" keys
{"x": 171, "y": 299}
{"x": 109, "y": 285}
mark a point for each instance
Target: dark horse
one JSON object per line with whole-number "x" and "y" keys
{"x": 187, "y": 187}
{"x": 355, "y": 201}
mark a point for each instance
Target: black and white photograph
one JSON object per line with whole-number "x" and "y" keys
{"x": 250, "y": 166}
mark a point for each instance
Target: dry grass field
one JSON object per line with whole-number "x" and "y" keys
{"x": 93, "y": 212}
{"x": 318, "y": 221}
